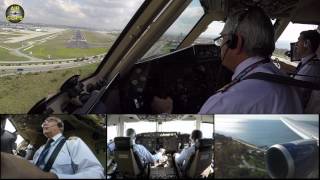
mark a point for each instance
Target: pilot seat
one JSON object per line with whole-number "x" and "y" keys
{"x": 127, "y": 160}
{"x": 199, "y": 161}
{"x": 8, "y": 141}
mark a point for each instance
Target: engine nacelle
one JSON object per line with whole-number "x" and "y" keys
{"x": 296, "y": 159}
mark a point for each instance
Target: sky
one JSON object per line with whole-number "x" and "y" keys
{"x": 104, "y": 14}
{"x": 298, "y": 117}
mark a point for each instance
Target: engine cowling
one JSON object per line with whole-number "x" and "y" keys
{"x": 296, "y": 159}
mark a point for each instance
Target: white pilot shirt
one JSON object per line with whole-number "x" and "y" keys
{"x": 74, "y": 161}
{"x": 111, "y": 147}
{"x": 312, "y": 69}
{"x": 254, "y": 96}
{"x": 144, "y": 155}
{"x": 184, "y": 156}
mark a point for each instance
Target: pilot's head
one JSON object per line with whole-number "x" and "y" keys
{"x": 132, "y": 134}
{"x": 307, "y": 43}
{"x": 246, "y": 33}
{"x": 196, "y": 135}
{"x": 51, "y": 126}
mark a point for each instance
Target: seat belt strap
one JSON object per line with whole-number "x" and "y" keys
{"x": 54, "y": 155}
{"x": 283, "y": 80}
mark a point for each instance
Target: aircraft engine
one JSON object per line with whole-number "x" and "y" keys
{"x": 296, "y": 159}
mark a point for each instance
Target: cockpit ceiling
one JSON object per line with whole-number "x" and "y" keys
{"x": 303, "y": 11}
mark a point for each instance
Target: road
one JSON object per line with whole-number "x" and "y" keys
{"x": 13, "y": 70}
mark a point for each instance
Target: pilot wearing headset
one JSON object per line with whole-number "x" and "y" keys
{"x": 182, "y": 158}
{"x": 309, "y": 67}
{"x": 144, "y": 155}
{"x": 73, "y": 157}
{"x": 247, "y": 43}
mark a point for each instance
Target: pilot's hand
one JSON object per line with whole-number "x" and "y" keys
{"x": 161, "y": 151}
{"x": 164, "y": 159}
{"x": 160, "y": 105}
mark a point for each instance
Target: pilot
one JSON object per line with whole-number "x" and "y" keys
{"x": 313, "y": 106}
{"x": 144, "y": 155}
{"x": 74, "y": 159}
{"x": 309, "y": 67}
{"x": 306, "y": 48}
{"x": 111, "y": 147}
{"x": 182, "y": 158}
{"x": 247, "y": 43}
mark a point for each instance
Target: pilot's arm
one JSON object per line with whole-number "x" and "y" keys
{"x": 184, "y": 155}
{"x": 144, "y": 154}
{"x": 111, "y": 147}
{"x": 83, "y": 162}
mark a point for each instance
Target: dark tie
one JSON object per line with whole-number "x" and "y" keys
{"x": 44, "y": 153}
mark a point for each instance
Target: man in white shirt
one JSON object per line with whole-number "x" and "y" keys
{"x": 247, "y": 43}
{"x": 144, "y": 155}
{"x": 74, "y": 161}
{"x": 182, "y": 158}
{"x": 309, "y": 67}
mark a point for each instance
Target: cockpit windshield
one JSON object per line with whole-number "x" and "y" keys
{"x": 177, "y": 31}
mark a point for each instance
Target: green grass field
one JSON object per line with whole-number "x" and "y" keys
{"x": 57, "y": 47}
{"x": 20, "y": 92}
{"x": 5, "y": 55}
{"x": 18, "y": 44}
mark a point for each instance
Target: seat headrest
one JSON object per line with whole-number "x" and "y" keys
{"x": 122, "y": 143}
{"x": 8, "y": 141}
{"x": 204, "y": 143}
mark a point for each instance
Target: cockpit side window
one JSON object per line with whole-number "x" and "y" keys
{"x": 111, "y": 133}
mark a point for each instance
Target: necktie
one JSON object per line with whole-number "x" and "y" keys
{"x": 44, "y": 153}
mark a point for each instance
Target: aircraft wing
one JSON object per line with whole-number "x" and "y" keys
{"x": 303, "y": 129}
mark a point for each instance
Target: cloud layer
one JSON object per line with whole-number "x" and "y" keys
{"x": 102, "y": 14}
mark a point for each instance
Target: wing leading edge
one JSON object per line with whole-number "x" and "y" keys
{"x": 304, "y": 130}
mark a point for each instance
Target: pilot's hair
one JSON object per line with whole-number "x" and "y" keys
{"x": 313, "y": 36}
{"x": 256, "y": 29}
{"x": 58, "y": 120}
{"x": 196, "y": 135}
{"x": 131, "y": 133}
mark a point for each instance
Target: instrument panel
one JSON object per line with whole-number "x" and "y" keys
{"x": 170, "y": 141}
{"x": 189, "y": 76}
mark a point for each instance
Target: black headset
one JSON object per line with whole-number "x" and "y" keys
{"x": 59, "y": 124}
{"x": 232, "y": 37}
